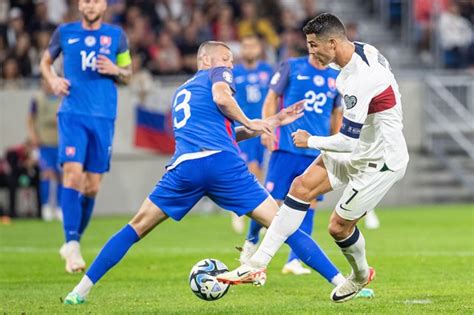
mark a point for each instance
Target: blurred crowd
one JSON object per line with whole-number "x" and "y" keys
{"x": 164, "y": 34}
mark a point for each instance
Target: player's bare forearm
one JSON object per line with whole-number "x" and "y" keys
{"x": 222, "y": 96}
{"x": 242, "y": 133}
{"x": 124, "y": 75}
{"x": 336, "y": 120}
{"x": 270, "y": 105}
{"x": 60, "y": 86}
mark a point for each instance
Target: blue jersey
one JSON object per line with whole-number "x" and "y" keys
{"x": 297, "y": 79}
{"x": 198, "y": 124}
{"x": 90, "y": 93}
{"x": 252, "y": 87}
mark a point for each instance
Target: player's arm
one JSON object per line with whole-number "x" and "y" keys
{"x": 59, "y": 85}
{"x": 30, "y": 123}
{"x": 284, "y": 117}
{"x": 278, "y": 84}
{"x": 121, "y": 71}
{"x": 223, "y": 88}
{"x": 356, "y": 102}
{"x": 336, "y": 115}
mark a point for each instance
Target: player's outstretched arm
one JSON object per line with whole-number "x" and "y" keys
{"x": 105, "y": 66}
{"x": 60, "y": 86}
{"x": 335, "y": 143}
{"x": 284, "y": 117}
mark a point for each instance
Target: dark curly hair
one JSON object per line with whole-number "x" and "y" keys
{"x": 325, "y": 24}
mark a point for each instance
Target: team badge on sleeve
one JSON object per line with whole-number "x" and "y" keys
{"x": 350, "y": 101}
{"x": 227, "y": 76}
{"x": 275, "y": 78}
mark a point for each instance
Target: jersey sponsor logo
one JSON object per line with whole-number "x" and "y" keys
{"x": 350, "y": 101}
{"x": 302, "y": 77}
{"x": 227, "y": 76}
{"x": 70, "y": 151}
{"x": 72, "y": 40}
{"x": 276, "y": 77}
{"x": 318, "y": 80}
{"x": 90, "y": 41}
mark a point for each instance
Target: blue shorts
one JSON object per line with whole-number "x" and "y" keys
{"x": 223, "y": 177}
{"x": 48, "y": 158}
{"x": 87, "y": 140}
{"x": 252, "y": 150}
{"x": 282, "y": 170}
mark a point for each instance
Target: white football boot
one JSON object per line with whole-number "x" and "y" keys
{"x": 244, "y": 274}
{"x": 71, "y": 253}
{"x": 350, "y": 288}
{"x": 295, "y": 267}
{"x": 247, "y": 252}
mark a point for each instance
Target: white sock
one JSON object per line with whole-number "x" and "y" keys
{"x": 287, "y": 220}
{"x": 83, "y": 287}
{"x": 353, "y": 247}
{"x": 338, "y": 279}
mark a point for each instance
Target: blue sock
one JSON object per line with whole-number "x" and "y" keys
{"x": 72, "y": 213}
{"x": 112, "y": 252}
{"x": 254, "y": 230}
{"x": 307, "y": 227}
{"x": 311, "y": 254}
{"x": 44, "y": 191}
{"x": 59, "y": 189}
{"x": 87, "y": 205}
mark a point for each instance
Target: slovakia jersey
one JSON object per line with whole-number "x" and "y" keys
{"x": 373, "y": 110}
{"x": 252, "y": 87}
{"x": 295, "y": 80}
{"x": 90, "y": 93}
{"x": 200, "y": 128}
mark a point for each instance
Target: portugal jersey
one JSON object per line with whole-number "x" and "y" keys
{"x": 252, "y": 87}
{"x": 373, "y": 110}
{"x": 200, "y": 128}
{"x": 295, "y": 80}
{"x": 90, "y": 93}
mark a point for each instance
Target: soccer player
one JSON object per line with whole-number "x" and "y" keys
{"x": 371, "y": 131}
{"x": 43, "y": 134}
{"x": 297, "y": 78}
{"x": 96, "y": 56}
{"x": 207, "y": 163}
{"x": 252, "y": 77}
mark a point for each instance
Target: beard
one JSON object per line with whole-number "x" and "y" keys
{"x": 93, "y": 19}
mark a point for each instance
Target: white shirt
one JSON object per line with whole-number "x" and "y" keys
{"x": 372, "y": 111}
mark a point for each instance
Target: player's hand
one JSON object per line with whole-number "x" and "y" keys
{"x": 106, "y": 66}
{"x": 268, "y": 142}
{"x": 300, "y": 138}
{"x": 60, "y": 86}
{"x": 291, "y": 113}
{"x": 261, "y": 126}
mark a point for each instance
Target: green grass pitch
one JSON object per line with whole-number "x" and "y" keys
{"x": 424, "y": 257}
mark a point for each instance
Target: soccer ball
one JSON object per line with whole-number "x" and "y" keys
{"x": 203, "y": 282}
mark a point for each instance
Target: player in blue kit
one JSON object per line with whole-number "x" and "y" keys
{"x": 295, "y": 79}
{"x": 252, "y": 77}
{"x": 96, "y": 56}
{"x": 207, "y": 163}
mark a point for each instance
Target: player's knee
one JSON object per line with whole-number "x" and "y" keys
{"x": 91, "y": 189}
{"x": 337, "y": 230}
{"x": 300, "y": 190}
{"x": 72, "y": 179}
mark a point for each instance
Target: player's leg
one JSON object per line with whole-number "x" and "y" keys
{"x": 174, "y": 195}
{"x": 91, "y": 187}
{"x": 306, "y": 187}
{"x": 147, "y": 218}
{"x": 362, "y": 194}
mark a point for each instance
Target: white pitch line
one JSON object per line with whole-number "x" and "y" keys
{"x": 426, "y": 301}
{"x": 229, "y": 250}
